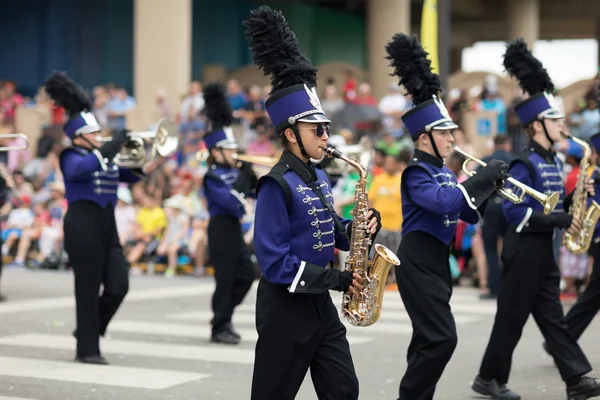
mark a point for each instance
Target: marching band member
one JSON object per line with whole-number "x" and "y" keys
{"x": 297, "y": 323}
{"x": 583, "y": 311}
{"x": 90, "y": 233}
{"x": 530, "y": 278}
{"x": 432, "y": 204}
{"x": 225, "y": 189}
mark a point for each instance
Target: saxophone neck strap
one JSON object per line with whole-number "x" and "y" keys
{"x": 307, "y": 173}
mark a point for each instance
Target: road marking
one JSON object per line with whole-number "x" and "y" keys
{"x": 241, "y": 318}
{"x": 183, "y": 330}
{"x": 217, "y": 353}
{"x": 140, "y": 295}
{"x": 13, "y": 398}
{"x": 156, "y": 379}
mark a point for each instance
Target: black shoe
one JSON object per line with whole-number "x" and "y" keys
{"x": 98, "y": 360}
{"x": 585, "y": 389}
{"x": 224, "y": 337}
{"x": 2, "y": 298}
{"x": 494, "y": 390}
{"x": 230, "y": 329}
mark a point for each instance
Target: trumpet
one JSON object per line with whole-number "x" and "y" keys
{"x": 549, "y": 201}
{"x": 24, "y": 146}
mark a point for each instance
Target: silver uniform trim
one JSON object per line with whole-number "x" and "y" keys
{"x": 100, "y": 158}
{"x": 100, "y": 190}
{"x": 320, "y": 246}
{"x": 525, "y": 220}
{"x": 467, "y": 198}
{"x": 317, "y": 222}
{"x": 238, "y": 196}
{"x": 102, "y": 182}
{"x": 314, "y": 210}
{"x": 294, "y": 284}
{"x": 318, "y": 234}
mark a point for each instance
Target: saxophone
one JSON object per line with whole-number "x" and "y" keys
{"x": 580, "y": 241}
{"x": 364, "y": 309}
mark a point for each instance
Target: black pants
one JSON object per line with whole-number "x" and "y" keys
{"x": 92, "y": 243}
{"x": 297, "y": 332}
{"x": 425, "y": 284}
{"x": 583, "y": 312}
{"x": 530, "y": 285}
{"x": 494, "y": 227}
{"x": 234, "y": 272}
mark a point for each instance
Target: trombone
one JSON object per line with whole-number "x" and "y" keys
{"x": 24, "y": 146}
{"x": 203, "y": 154}
{"x": 548, "y": 201}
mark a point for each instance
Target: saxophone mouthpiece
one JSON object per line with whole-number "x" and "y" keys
{"x": 331, "y": 152}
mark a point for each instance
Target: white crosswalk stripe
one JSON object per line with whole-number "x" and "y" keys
{"x": 180, "y": 335}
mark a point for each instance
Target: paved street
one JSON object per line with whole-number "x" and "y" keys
{"x": 159, "y": 350}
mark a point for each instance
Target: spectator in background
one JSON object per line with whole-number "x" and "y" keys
{"x": 20, "y": 218}
{"x": 491, "y": 101}
{"x": 262, "y": 145}
{"x": 349, "y": 88}
{"x": 392, "y": 106}
{"x": 118, "y": 107}
{"x": 193, "y": 103}
{"x": 237, "y": 99}
{"x": 174, "y": 238}
{"x": 125, "y": 215}
{"x": 331, "y": 102}
{"x": 385, "y": 197}
{"x": 9, "y": 101}
{"x": 151, "y": 222}
{"x": 590, "y": 119}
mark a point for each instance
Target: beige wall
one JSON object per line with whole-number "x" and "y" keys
{"x": 524, "y": 20}
{"x": 384, "y": 19}
{"x": 162, "y": 55}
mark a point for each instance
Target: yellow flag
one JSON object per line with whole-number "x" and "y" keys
{"x": 429, "y": 32}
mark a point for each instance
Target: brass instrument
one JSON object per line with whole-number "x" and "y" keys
{"x": 203, "y": 154}
{"x": 135, "y": 152}
{"x": 548, "y": 201}
{"x": 362, "y": 151}
{"x": 579, "y": 242}
{"x": 24, "y": 146}
{"x": 364, "y": 309}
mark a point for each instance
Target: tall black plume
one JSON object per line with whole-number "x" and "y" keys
{"x": 411, "y": 65}
{"x": 67, "y": 93}
{"x": 276, "y": 50}
{"x": 216, "y": 107}
{"x": 529, "y": 71}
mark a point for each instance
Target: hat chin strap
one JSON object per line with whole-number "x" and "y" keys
{"x": 297, "y": 134}
{"x": 433, "y": 146}
{"x": 543, "y": 121}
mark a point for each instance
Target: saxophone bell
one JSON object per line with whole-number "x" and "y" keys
{"x": 549, "y": 201}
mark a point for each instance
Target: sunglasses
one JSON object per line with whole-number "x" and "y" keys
{"x": 320, "y": 130}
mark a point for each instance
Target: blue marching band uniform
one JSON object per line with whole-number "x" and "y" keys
{"x": 90, "y": 233}
{"x": 432, "y": 204}
{"x": 297, "y": 323}
{"x": 531, "y": 277}
{"x": 226, "y": 189}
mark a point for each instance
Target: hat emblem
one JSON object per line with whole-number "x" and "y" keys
{"x": 550, "y": 99}
{"x": 314, "y": 98}
{"x": 440, "y": 104}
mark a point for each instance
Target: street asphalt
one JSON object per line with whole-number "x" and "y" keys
{"x": 158, "y": 346}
